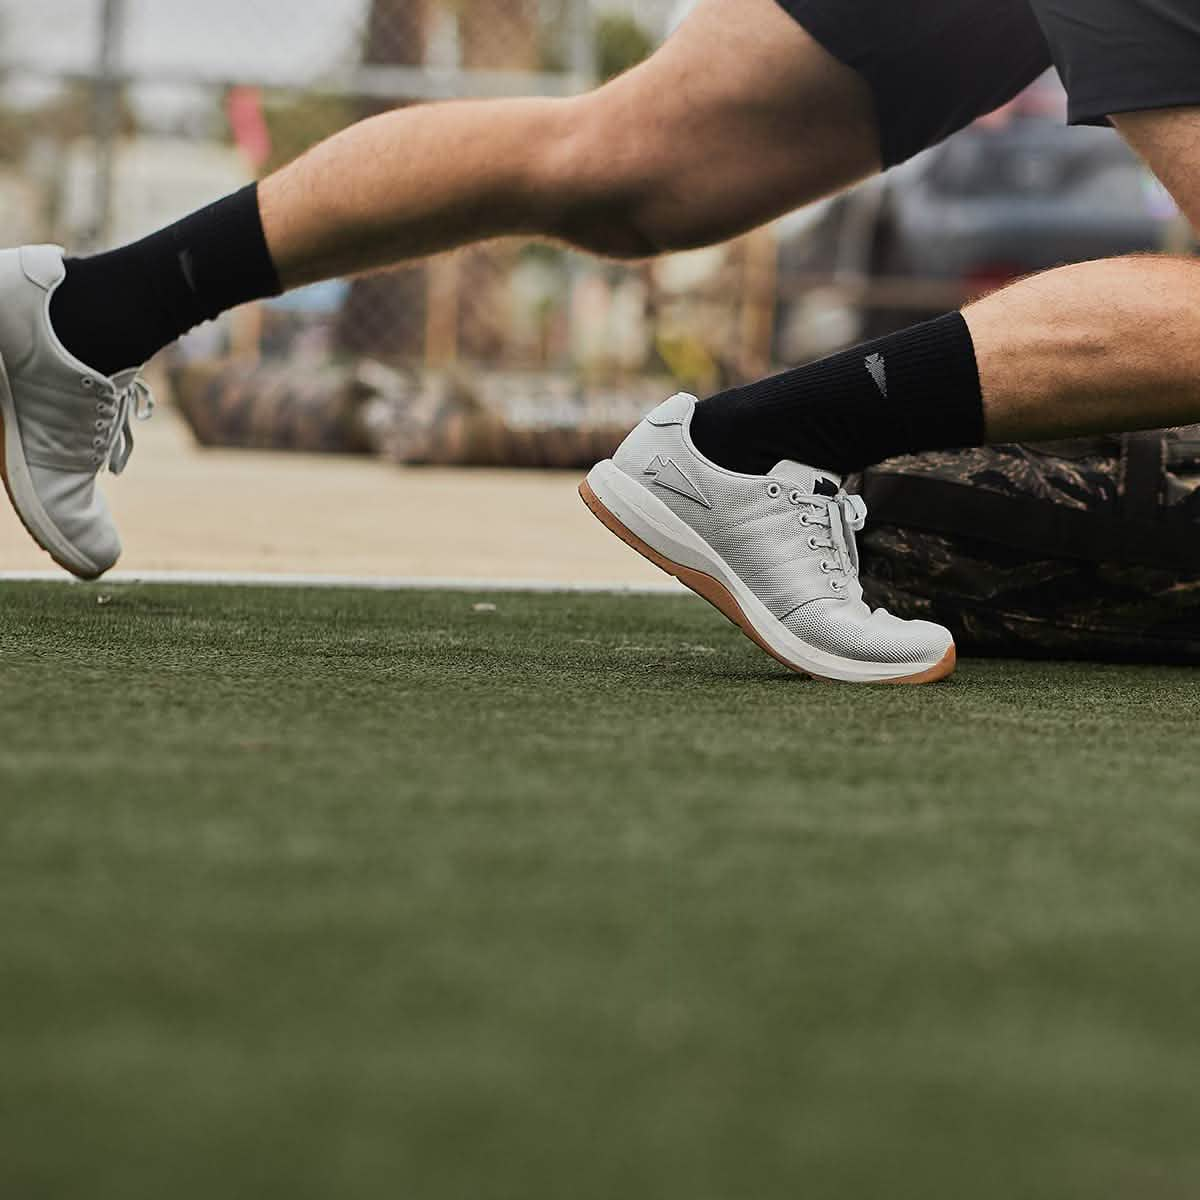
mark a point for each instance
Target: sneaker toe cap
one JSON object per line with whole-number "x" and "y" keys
{"x": 935, "y": 640}
{"x": 81, "y": 516}
{"x": 861, "y": 635}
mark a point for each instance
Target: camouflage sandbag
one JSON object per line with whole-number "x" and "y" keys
{"x": 505, "y": 419}
{"x": 440, "y": 418}
{"x": 1082, "y": 549}
{"x": 274, "y": 405}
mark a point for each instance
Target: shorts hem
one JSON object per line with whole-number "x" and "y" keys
{"x": 1097, "y": 112}
{"x": 931, "y": 66}
{"x": 826, "y": 34}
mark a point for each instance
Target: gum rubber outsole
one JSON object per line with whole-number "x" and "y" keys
{"x": 723, "y": 600}
{"x": 21, "y": 516}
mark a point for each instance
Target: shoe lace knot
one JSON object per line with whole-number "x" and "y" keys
{"x": 843, "y": 516}
{"x": 118, "y": 406}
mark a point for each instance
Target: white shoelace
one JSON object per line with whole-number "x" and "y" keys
{"x": 118, "y": 409}
{"x": 844, "y": 516}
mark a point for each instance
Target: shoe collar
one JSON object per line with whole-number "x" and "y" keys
{"x": 812, "y": 481}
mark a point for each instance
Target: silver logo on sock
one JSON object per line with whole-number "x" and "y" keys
{"x": 878, "y": 370}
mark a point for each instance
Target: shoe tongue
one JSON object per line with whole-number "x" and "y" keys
{"x": 122, "y": 379}
{"x": 813, "y": 481}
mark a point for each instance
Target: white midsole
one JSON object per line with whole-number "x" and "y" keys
{"x": 644, "y": 515}
{"x": 24, "y": 495}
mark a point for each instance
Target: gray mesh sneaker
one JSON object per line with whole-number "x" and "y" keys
{"x": 61, "y": 422}
{"x": 776, "y": 554}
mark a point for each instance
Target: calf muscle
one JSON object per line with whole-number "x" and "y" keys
{"x": 1095, "y": 348}
{"x": 1106, "y": 346}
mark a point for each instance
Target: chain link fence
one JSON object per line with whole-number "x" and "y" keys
{"x": 117, "y": 116}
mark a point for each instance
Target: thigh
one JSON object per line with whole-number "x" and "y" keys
{"x": 933, "y": 66}
{"x": 1136, "y": 62}
{"x": 1169, "y": 141}
{"x": 739, "y": 117}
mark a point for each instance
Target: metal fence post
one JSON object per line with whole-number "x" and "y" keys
{"x": 107, "y": 118}
{"x": 580, "y": 52}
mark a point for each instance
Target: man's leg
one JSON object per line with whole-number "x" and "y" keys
{"x": 739, "y": 117}
{"x": 1099, "y": 347}
{"x": 1169, "y": 142}
{"x": 1091, "y": 348}
{"x": 742, "y": 115}
{"x": 740, "y": 496}
{"x": 1108, "y": 346}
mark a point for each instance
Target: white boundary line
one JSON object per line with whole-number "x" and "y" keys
{"x": 363, "y": 583}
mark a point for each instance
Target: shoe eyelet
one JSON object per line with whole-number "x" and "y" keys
{"x": 804, "y": 520}
{"x": 836, "y": 584}
{"x": 88, "y": 383}
{"x": 795, "y": 497}
{"x": 826, "y": 566}
{"x": 774, "y": 491}
{"x": 812, "y": 544}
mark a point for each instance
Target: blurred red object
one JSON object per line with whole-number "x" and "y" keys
{"x": 1045, "y": 98}
{"x": 243, "y": 106}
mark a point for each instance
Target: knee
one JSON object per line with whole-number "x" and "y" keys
{"x": 611, "y": 186}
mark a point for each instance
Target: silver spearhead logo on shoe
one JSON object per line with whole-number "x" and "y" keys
{"x": 668, "y": 474}
{"x": 878, "y": 369}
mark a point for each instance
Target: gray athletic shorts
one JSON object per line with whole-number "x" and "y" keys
{"x": 936, "y": 65}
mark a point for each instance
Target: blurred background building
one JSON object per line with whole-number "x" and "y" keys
{"x": 117, "y": 116}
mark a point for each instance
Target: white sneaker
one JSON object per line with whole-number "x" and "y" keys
{"x": 62, "y": 422}
{"x": 776, "y": 554}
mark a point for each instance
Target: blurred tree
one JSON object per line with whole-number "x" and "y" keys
{"x": 14, "y": 136}
{"x": 499, "y": 35}
{"x": 297, "y": 121}
{"x": 621, "y": 43}
{"x": 385, "y": 314}
{"x": 396, "y": 33}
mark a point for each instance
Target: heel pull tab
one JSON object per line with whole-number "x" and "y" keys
{"x": 43, "y": 265}
{"x": 675, "y": 411}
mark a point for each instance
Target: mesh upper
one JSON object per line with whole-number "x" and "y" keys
{"x": 853, "y": 631}
{"x": 762, "y": 539}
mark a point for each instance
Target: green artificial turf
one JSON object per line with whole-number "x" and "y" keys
{"x": 337, "y": 895}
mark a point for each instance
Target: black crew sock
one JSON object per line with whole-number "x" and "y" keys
{"x": 912, "y": 391}
{"x": 114, "y": 310}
